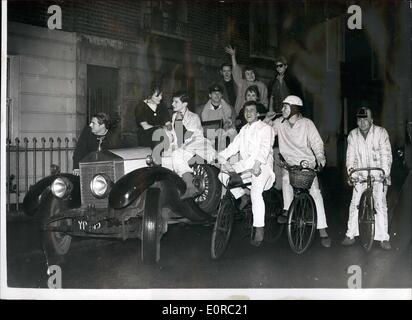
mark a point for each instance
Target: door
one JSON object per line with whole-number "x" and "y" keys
{"x": 102, "y": 91}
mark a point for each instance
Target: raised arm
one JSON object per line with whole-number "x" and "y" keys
{"x": 236, "y": 70}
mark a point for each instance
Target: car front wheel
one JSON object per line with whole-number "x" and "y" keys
{"x": 55, "y": 242}
{"x": 151, "y": 227}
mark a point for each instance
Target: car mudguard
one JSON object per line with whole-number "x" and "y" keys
{"x": 126, "y": 190}
{"x": 33, "y": 197}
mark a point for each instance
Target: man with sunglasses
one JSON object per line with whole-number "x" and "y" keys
{"x": 282, "y": 85}
{"x": 300, "y": 140}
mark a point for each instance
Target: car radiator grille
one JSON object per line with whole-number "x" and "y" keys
{"x": 113, "y": 169}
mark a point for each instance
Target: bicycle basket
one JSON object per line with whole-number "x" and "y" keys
{"x": 301, "y": 179}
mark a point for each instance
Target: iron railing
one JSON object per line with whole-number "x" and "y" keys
{"x": 27, "y": 161}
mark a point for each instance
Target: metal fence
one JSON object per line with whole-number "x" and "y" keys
{"x": 28, "y": 161}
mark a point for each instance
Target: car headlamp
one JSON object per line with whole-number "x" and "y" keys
{"x": 61, "y": 187}
{"x": 100, "y": 185}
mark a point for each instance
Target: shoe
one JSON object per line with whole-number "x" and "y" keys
{"x": 258, "y": 238}
{"x": 255, "y": 243}
{"x": 348, "y": 241}
{"x": 325, "y": 241}
{"x": 385, "y": 245}
{"x": 191, "y": 190}
{"x": 283, "y": 218}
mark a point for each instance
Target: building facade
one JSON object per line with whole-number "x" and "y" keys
{"x": 106, "y": 54}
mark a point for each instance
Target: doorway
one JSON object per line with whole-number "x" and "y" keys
{"x": 102, "y": 91}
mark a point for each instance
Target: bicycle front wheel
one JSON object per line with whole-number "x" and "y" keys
{"x": 301, "y": 223}
{"x": 222, "y": 228}
{"x": 366, "y": 219}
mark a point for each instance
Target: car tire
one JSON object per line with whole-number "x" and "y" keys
{"x": 54, "y": 242}
{"x": 151, "y": 227}
{"x": 211, "y": 188}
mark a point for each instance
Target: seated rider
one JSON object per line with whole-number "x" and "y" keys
{"x": 96, "y": 136}
{"x": 369, "y": 146}
{"x": 300, "y": 140}
{"x": 187, "y": 140}
{"x": 254, "y": 143}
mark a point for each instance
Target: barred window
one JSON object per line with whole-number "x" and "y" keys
{"x": 263, "y": 29}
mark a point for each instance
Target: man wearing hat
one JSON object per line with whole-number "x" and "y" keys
{"x": 369, "y": 146}
{"x": 300, "y": 140}
{"x": 218, "y": 109}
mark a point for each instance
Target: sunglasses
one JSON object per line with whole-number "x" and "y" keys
{"x": 280, "y": 65}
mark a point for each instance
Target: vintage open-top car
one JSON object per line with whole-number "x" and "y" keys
{"x": 120, "y": 194}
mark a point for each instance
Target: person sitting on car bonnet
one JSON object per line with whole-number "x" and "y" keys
{"x": 151, "y": 114}
{"x": 187, "y": 140}
{"x": 96, "y": 136}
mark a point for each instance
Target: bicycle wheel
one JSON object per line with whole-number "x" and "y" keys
{"x": 274, "y": 205}
{"x": 223, "y": 227}
{"x": 366, "y": 219}
{"x": 301, "y": 222}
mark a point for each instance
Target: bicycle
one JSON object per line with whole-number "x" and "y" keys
{"x": 302, "y": 215}
{"x": 228, "y": 209}
{"x": 366, "y": 207}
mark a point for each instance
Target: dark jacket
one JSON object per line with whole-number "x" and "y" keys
{"x": 292, "y": 84}
{"x": 226, "y": 97}
{"x": 88, "y": 142}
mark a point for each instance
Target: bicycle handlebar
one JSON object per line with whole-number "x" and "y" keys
{"x": 368, "y": 169}
{"x": 289, "y": 167}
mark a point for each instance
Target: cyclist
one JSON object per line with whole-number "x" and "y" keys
{"x": 300, "y": 140}
{"x": 254, "y": 143}
{"x": 369, "y": 146}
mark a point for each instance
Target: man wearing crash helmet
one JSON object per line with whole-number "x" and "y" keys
{"x": 300, "y": 140}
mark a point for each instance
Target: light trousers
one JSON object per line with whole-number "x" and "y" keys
{"x": 314, "y": 191}
{"x": 381, "y": 216}
{"x": 259, "y": 184}
{"x": 181, "y": 156}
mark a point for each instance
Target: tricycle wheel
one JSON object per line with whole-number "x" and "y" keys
{"x": 56, "y": 242}
{"x": 223, "y": 227}
{"x": 205, "y": 177}
{"x": 151, "y": 227}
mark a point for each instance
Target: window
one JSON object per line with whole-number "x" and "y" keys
{"x": 167, "y": 18}
{"x": 263, "y": 32}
